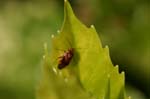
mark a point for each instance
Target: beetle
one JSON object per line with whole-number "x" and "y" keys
{"x": 65, "y": 59}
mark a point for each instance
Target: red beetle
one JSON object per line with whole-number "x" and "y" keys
{"x": 65, "y": 59}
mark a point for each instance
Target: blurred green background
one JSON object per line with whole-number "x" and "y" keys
{"x": 25, "y": 25}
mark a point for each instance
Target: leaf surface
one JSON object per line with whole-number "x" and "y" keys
{"x": 89, "y": 75}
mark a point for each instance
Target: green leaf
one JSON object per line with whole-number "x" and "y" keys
{"x": 89, "y": 75}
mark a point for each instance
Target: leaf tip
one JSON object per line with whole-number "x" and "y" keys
{"x": 129, "y": 97}
{"x": 65, "y": 1}
{"x": 106, "y": 46}
{"x": 54, "y": 70}
{"x": 116, "y": 66}
{"x": 92, "y": 26}
{"x": 52, "y": 36}
{"x": 45, "y": 49}
{"x": 123, "y": 73}
{"x": 44, "y": 56}
{"x": 58, "y": 31}
{"x": 45, "y": 45}
{"x": 68, "y": 10}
